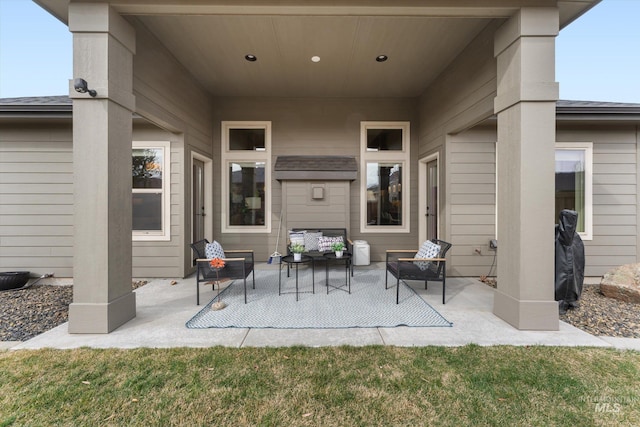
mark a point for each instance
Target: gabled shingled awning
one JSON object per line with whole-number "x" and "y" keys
{"x": 316, "y": 168}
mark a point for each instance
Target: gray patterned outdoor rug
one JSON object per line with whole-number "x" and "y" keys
{"x": 368, "y": 306}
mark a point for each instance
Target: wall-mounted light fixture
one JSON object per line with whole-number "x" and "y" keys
{"x": 80, "y": 85}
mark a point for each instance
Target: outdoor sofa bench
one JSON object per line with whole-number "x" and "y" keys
{"x": 315, "y": 232}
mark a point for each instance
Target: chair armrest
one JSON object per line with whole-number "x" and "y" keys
{"x": 421, "y": 259}
{"x": 243, "y": 254}
{"x": 395, "y": 254}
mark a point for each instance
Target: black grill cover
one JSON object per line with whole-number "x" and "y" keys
{"x": 569, "y": 276}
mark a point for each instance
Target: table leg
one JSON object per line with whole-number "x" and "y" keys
{"x": 326, "y": 275}
{"x": 346, "y": 277}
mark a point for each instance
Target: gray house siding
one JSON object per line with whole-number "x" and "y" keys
{"x": 472, "y": 198}
{"x": 36, "y": 212}
{"x": 160, "y": 258}
{"x": 36, "y": 194}
{"x": 168, "y": 96}
{"x": 315, "y": 127}
{"x": 36, "y": 209}
{"x": 459, "y": 98}
{"x": 615, "y": 196}
{"x": 330, "y": 212}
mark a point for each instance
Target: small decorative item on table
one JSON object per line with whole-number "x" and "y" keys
{"x": 216, "y": 264}
{"x": 297, "y": 250}
{"x": 338, "y": 248}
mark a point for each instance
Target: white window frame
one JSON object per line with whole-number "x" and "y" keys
{"x": 229, "y": 156}
{"x": 587, "y": 147}
{"x": 386, "y": 156}
{"x": 165, "y": 233}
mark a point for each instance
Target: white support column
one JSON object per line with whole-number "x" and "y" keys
{"x": 103, "y": 49}
{"x": 525, "y": 105}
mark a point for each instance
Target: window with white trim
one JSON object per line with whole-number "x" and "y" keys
{"x": 246, "y": 177}
{"x": 574, "y": 189}
{"x": 150, "y": 190}
{"x": 384, "y": 191}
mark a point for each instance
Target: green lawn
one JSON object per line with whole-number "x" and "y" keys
{"x": 344, "y": 386}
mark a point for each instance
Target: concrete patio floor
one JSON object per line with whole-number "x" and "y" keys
{"x": 163, "y": 309}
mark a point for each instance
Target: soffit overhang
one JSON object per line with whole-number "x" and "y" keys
{"x": 569, "y": 9}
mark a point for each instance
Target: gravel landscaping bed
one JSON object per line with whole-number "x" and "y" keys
{"x": 599, "y": 315}
{"x": 32, "y": 311}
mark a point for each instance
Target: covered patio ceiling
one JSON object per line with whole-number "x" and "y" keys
{"x": 213, "y": 49}
{"x": 419, "y": 39}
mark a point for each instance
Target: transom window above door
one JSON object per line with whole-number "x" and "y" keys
{"x": 251, "y": 139}
{"x": 383, "y": 139}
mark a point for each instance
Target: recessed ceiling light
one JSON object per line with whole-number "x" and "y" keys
{"x": 250, "y": 58}
{"x": 315, "y": 58}
{"x": 381, "y": 58}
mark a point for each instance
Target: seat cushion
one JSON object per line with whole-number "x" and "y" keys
{"x": 410, "y": 271}
{"x": 407, "y": 270}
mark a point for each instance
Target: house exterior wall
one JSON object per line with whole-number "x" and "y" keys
{"x": 472, "y": 201}
{"x": 461, "y": 97}
{"x": 315, "y": 127}
{"x": 158, "y": 258}
{"x": 36, "y": 190}
{"x": 168, "y": 96}
{"x": 36, "y": 174}
{"x": 616, "y": 240}
{"x": 332, "y": 211}
{"x": 36, "y": 213}
{"x": 616, "y": 237}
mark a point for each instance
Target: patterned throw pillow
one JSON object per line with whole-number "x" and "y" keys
{"x": 427, "y": 250}
{"x": 324, "y": 243}
{"x": 296, "y": 238}
{"x": 214, "y": 250}
{"x": 311, "y": 240}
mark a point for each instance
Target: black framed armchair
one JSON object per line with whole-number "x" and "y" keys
{"x": 403, "y": 265}
{"x": 238, "y": 265}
